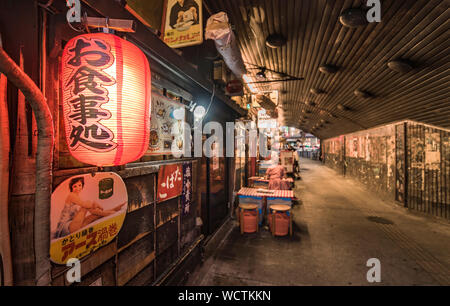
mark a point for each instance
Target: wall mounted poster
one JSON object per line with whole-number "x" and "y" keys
{"x": 170, "y": 182}
{"x": 432, "y": 150}
{"x": 183, "y": 23}
{"x": 87, "y": 212}
{"x": 166, "y": 125}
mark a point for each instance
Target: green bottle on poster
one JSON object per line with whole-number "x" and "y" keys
{"x": 105, "y": 188}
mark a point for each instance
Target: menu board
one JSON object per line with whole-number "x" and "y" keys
{"x": 166, "y": 125}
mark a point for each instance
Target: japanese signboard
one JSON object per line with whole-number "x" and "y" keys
{"x": 166, "y": 125}
{"x": 106, "y": 86}
{"x": 265, "y": 121}
{"x": 186, "y": 197}
{"x": 183, "y": 24}
{"x": 87, "y": 212}
{"x": 170, "y": 180}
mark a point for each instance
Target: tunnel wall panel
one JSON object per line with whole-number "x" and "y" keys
{"x": 405, "y": 161}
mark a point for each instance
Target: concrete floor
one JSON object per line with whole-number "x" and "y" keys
{"x": 334, "y": 236}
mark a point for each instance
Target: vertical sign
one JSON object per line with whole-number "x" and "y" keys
{"x": 183, "y": 24}
{"x": 169, "y": 182}
{"x": 186, "y": 197}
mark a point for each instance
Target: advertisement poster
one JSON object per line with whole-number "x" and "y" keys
{"x": 432, "y": 150}
{"x": 167, "y": 118}
{"x": 417, "y": 152}
{"x": 87, "y": 212}
{"x": 170, "y": 180}
{"x": 183, "y": 25}
{"x": 186, "y": 196}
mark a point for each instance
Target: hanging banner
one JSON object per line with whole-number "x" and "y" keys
{"x": 183, "y": 23}
{"x": 166, "y": 121}
{"x": 169, "y": 182}
{"x": 186, "y": 196}
{"x": 87, "y": 212}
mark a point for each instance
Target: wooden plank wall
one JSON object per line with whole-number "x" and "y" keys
{"x": 153, "y": 237}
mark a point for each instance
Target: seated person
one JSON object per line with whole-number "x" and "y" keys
{"x": 275, "y": 174}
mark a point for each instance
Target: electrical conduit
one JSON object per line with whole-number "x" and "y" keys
{"x": 44, "y": 159}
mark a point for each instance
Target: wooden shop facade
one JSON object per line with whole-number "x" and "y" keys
{"x": 160, "y": 236}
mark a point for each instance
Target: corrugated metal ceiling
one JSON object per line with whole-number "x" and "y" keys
{"x": 416, "y": 30}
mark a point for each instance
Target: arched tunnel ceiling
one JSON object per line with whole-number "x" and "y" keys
{"x": 415, "y": 30}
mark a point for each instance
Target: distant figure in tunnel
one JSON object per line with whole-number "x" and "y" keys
{"x": 74, "y": 214}
{"x": 275, "y": 174}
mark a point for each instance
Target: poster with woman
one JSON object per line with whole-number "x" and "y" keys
{"x": 183, "y": 23}
{"x": 87, "y": 212}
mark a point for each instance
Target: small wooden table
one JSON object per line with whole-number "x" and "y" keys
{"x": 243, "y": 207}
{"x": 282, "y": 208}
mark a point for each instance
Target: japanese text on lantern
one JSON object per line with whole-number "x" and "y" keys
{"x": 87, "y": 84}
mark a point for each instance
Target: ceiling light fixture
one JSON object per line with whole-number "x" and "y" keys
{"x": 316, "y": 91}
{"x": 275, "y": 40}
{"x": 400, "y": 65}
{"x": 328, "y": 69}
{"x": 261, "y": 75}
{"x": 353, "y": 17}
{"x": 342, "y": 107}
{"x": 362, "y": 93}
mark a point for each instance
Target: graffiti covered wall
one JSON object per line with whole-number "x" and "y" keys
{"x": 428, "y": 161}
{"x": 407, "y": 162}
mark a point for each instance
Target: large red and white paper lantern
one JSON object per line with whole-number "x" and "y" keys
{"x": 106, "y": 86}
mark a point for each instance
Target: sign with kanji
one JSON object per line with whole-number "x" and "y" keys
{"x": 183, "y": 24}
{"x": 186, "y": 196}
{"x": 106, "y": 88}
{"x": 170, "y": 180}
{"x": 87, "y": 212}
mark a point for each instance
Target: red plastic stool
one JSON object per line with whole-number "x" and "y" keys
{"x": 248, "y": 218}
{"x": 280, "y": 220}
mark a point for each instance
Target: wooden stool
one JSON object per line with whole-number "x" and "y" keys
{"x": 242, "y": 208}
{"x": 280, "y": 208}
